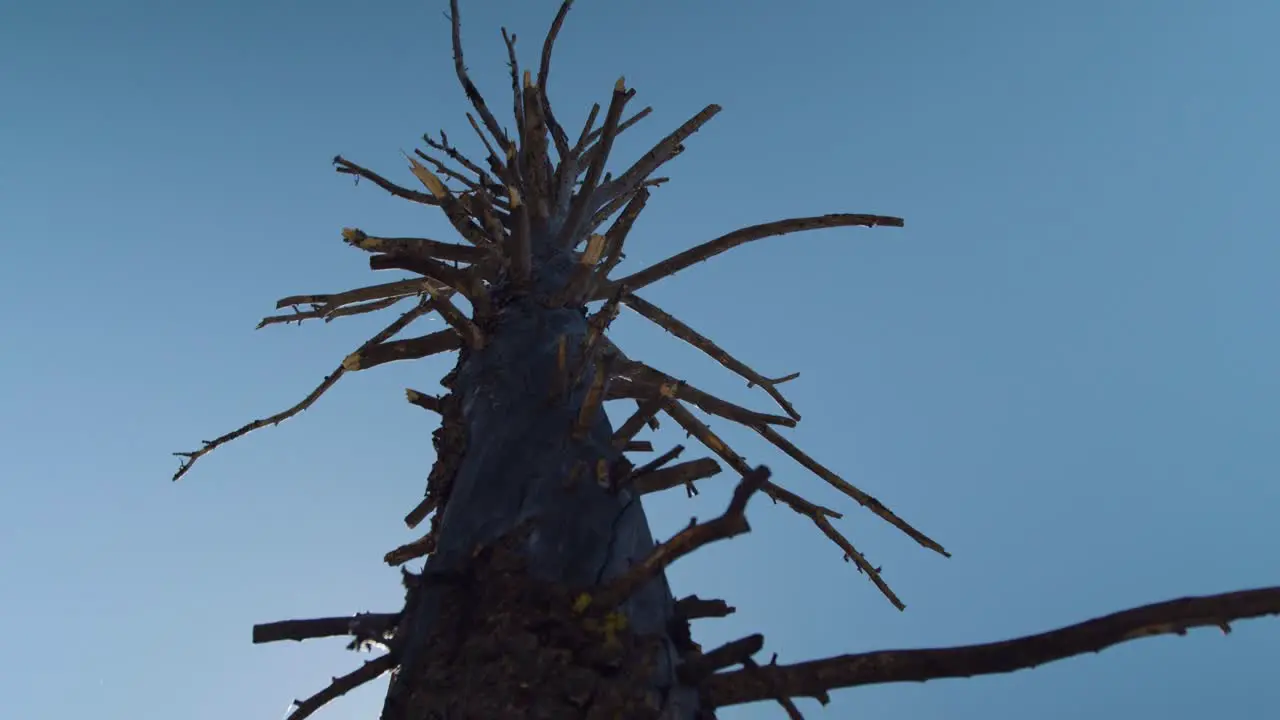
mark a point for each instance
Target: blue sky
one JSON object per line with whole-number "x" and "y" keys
{"x": 1063, "y": 368}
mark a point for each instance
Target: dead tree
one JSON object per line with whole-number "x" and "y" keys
{"x": 543, "y": 594}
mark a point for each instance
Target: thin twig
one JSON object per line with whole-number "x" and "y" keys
{"x": 424, "y": 306}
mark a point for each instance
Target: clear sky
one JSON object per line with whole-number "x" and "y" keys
{"x": 1063, "y": 368}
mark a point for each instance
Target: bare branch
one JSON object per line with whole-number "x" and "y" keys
{"x": 443, "y": 146}
{"x": 413, "y": 247}
{"x": 669, "y": 147}
{"x": 685, "y": 473}
{"x": 674, "y": 326}
{"x": 458, "y": 216}
{"x": 361, "y": 625}
{"x": 587, "y": 132}
{"x": 452, "y": 315}
{"x": 327, "y": 315}
{"x": 733, "y": 522}
{"x": 442, "y": 168}
{"x": 710, "y": 249}
{"x": 624, "y": 125}
{"x": 634, "y": 424}
{"x": 473, "y": 94}
{"x": 638, "y": 446}
{"x": 444, "y": 276}
{"x": 643, "y": 376}
{"x": 840, "y": 484}
{"x": 421, "y": 547}
{"x": 580, "y": 206}
{"x": 694, "y": 607}
{"x": 544, "y": 71}
{"x": 616, "y": 204}
{"x": 406, "y": 349}
{"x": 340, "y": 686}
{"x": 424, "y": 306}
{"x": 513, "y": 63}
{"x": 815, "y": 678}
{"x": 421, "y": 511}
{"x": 397, "y": 289}
{"x": 595, "y": 395}
{"x": 616, "y": 237}
{"x": 658, "y": 462}
{"x": 819, "y": 515}
{"x": 495, "y": 163}
{"x": 699, "y": 667}
{"x": 422, "y": 400}
{"x": 347, "y": 167}
{"x": 793, "y": 713}
{"x": 575, "y": 288}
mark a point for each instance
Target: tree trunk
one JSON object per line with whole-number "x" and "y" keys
{"x": 499, "y": 626}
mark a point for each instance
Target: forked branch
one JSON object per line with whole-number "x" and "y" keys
{"x": 816, "y": 677}
{"x": 733, "y": 522}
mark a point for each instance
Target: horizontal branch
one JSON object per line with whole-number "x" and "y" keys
{"x": 816, "y": 677}
{"x": 360, "y": 625}
{"x": 413, "y": 247}
{"x": 710, "y": 249}
{"x": 423, "y": 400}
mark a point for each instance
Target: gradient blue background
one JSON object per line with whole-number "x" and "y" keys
{"x": 1064, "y": 368}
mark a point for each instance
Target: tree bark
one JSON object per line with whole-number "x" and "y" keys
{"x": 499, "y": 626}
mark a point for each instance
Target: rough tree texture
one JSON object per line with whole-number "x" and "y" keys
{"x": 543, "y": 594}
